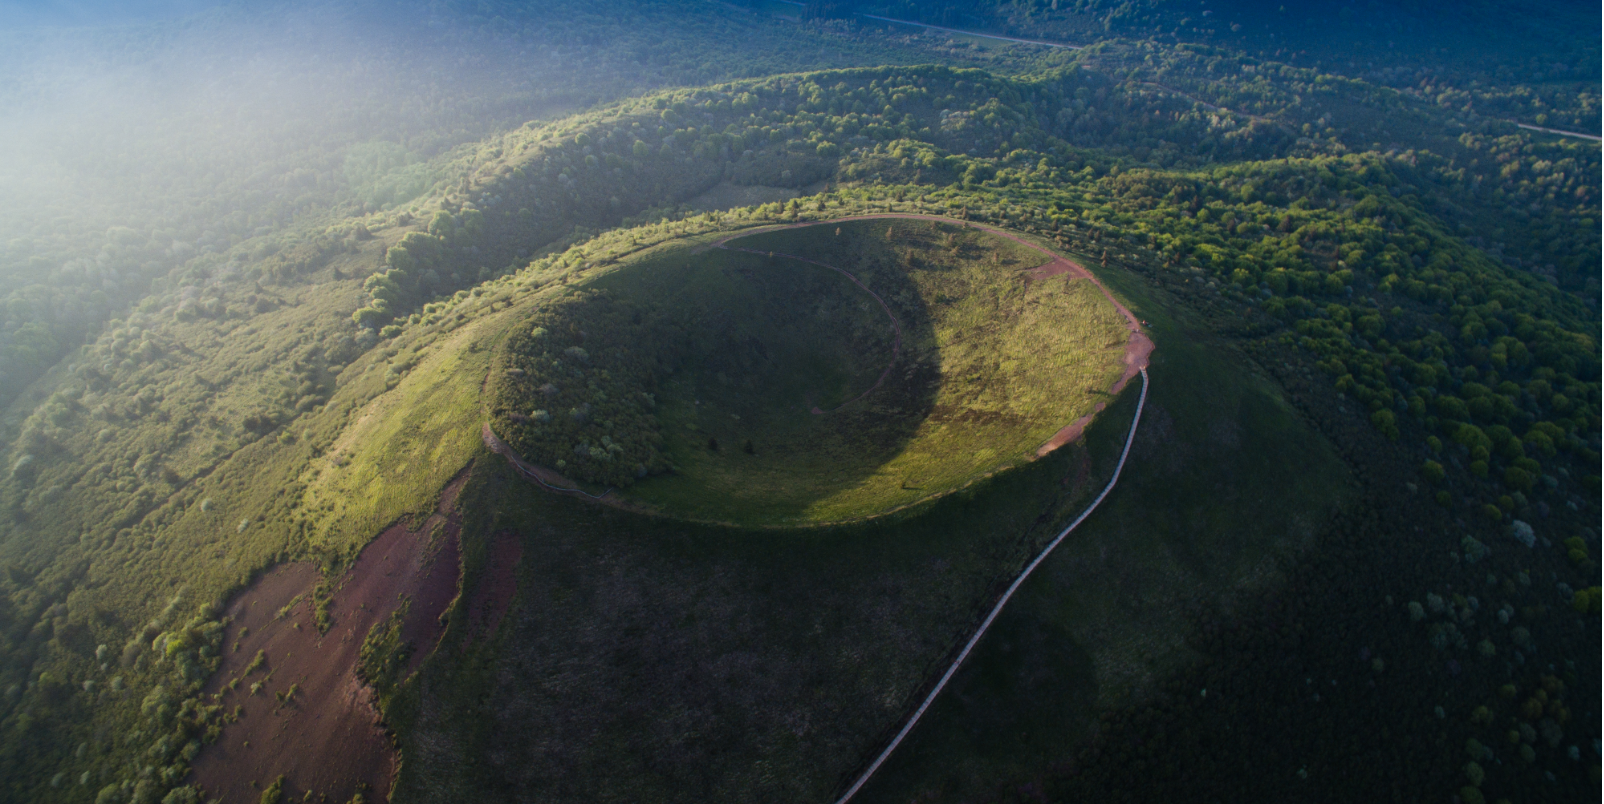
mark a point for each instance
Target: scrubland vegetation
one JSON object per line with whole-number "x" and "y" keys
{"x": 232, "y": 352}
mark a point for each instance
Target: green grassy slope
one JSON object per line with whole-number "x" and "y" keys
{"x": 237, "y": 418}
{"x": 991, "y": 365}
{"x": 652, "y": 660}
{"x": 682, "y": 663}
{"x": 1225, "y": 487}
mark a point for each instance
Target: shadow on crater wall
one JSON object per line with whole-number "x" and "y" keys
{"x": 793, "y": 385}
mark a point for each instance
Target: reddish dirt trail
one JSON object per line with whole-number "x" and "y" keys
{"x": 327, "y": 739}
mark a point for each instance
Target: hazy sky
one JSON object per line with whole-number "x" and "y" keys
{"x": 84, "y": 12}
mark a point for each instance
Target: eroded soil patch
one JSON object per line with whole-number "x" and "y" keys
{"x": 303, "y": 712}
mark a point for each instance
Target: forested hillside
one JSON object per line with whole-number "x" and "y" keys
{"x": 213, "y": 287}
{"x": 1498, "y": 59}
{"x": 133, "y": 152}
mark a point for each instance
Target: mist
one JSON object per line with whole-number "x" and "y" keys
{"x": 133, "y": 139}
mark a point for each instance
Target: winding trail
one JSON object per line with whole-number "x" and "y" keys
{"x": 997, "y": 609}
{"x": 539, "y": 474}
{"x": 1041, "y": 42}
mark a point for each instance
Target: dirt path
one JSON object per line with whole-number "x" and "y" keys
{"x": 548, "y": 478}
{"x": 1205, "y": 104}
{"x": 326, "y": 738}
{"x": 958, "y": 31}
{"x": 551, "y": 480}
{"x": 1261, "y": 118}
{"x": 1003, "y": 601}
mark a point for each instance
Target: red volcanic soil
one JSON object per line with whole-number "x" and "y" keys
{"x": 327, "y": 739}
{"x": 1070, "y": 431}
{"x": 494, "y": 593}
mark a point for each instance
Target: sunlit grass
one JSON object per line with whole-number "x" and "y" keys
{"x": 991, "y": 367}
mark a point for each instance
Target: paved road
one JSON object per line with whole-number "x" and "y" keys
{"x": 997, "y": 609}
{"x": 972, "y": 33}
{"x": 952, "y": 30}
{"x": 1576, "y": 134}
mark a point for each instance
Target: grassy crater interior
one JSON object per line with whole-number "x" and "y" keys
{"x": 750, "y": 384}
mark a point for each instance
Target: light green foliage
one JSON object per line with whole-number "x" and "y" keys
{"x": 273, "y": 793}
{"x": 383, "y": 656}
{"x": 182, "y": 795}
{"x": 401, "y": 447}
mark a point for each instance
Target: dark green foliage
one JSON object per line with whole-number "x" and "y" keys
{"x": 1499, "y": 59}
{"x": 576, "y": 385}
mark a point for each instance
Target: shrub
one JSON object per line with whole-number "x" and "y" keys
{"x": 182, "y": 795}
{"x": 274, "y": 793}
{"x": 24, "y": 468}
{"x": 369, "y": 318}
{"x": 1523, "y": 533}
{"x": 1519, "y": 479}
{"x": 1586, "y": 600}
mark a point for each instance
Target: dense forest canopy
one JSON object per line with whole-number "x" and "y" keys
{"x": 1500, "y": 58}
